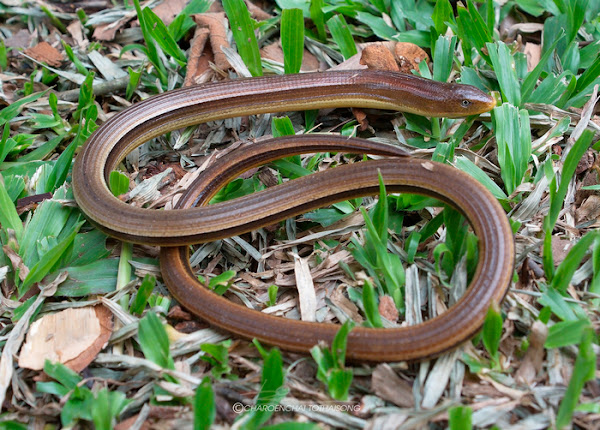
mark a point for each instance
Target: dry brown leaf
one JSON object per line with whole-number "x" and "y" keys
{"x": 585, "y": 163}
{"x": 341, "y": 301}
{"x": 46, "y": 53}
{"x": 534, "y": 359}
{"x": 533, "y": 52}
{"x": 361, "y": 118}
{"x": 388, "y": 385}
{"x": 387, "y": 308}
{"x": 560, "y": 249}
{"x": 589, "y": 210}
{"x": 20, "y": 39}
{"x": 409, "y": 55}
{"x": 107, "y": 32}
{"x": 274, "y": 52}
{"x": 168, "y": 10}
{"x": 306, "y": 289}
{"x": 167, "y": 416}
{"x": 73, "y": 337}
{"x": 199, "y": 59}
{"x": 75, "y": 29}
{"x": 377, "y": 56}
{"x": 16, "y": 261}
{"x": 256, "y": 12}
{"x": 215, "y": 22}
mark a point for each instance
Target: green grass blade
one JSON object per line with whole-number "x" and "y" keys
{"x": 377, "y": 25}
{"x": 504, "y": 66}
{"x": 566, "y": 333}
{"x": 9, "y": 218}
{"x": 583, "y": 371}
{"x": 292, "y": 39}
{"x": 513, "y": 138}
{"x": 318, "y": 17}
{"x": 588, "y": 76}
{"x": 443, "y": 57}
{"x": 48, "y": 260}
{"x": 566, "y": 269}
{"x": 557, "y": 199}
{"x": 532, "y": 77}
{"x": 14, "y": 108}
{"x": 160, "y": 34}
{"x": 475, "y": 171}
{"x": 473, "y": 29}
{"x": 342, "y": 36}
{"x": 150, "y": 50}
{"x": 143, "y": 293}
{"x": 442, "y": 14}
{"x": 242, "y": 27}
{"x": 370, "y": 303}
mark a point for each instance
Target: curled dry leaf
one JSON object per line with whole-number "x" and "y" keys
{"x": 215, "y": 22}
{"x": 72, "y": 337}
{"x": 199, "y": 59}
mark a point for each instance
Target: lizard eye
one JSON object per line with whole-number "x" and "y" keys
{"x": 465, "y": 103}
